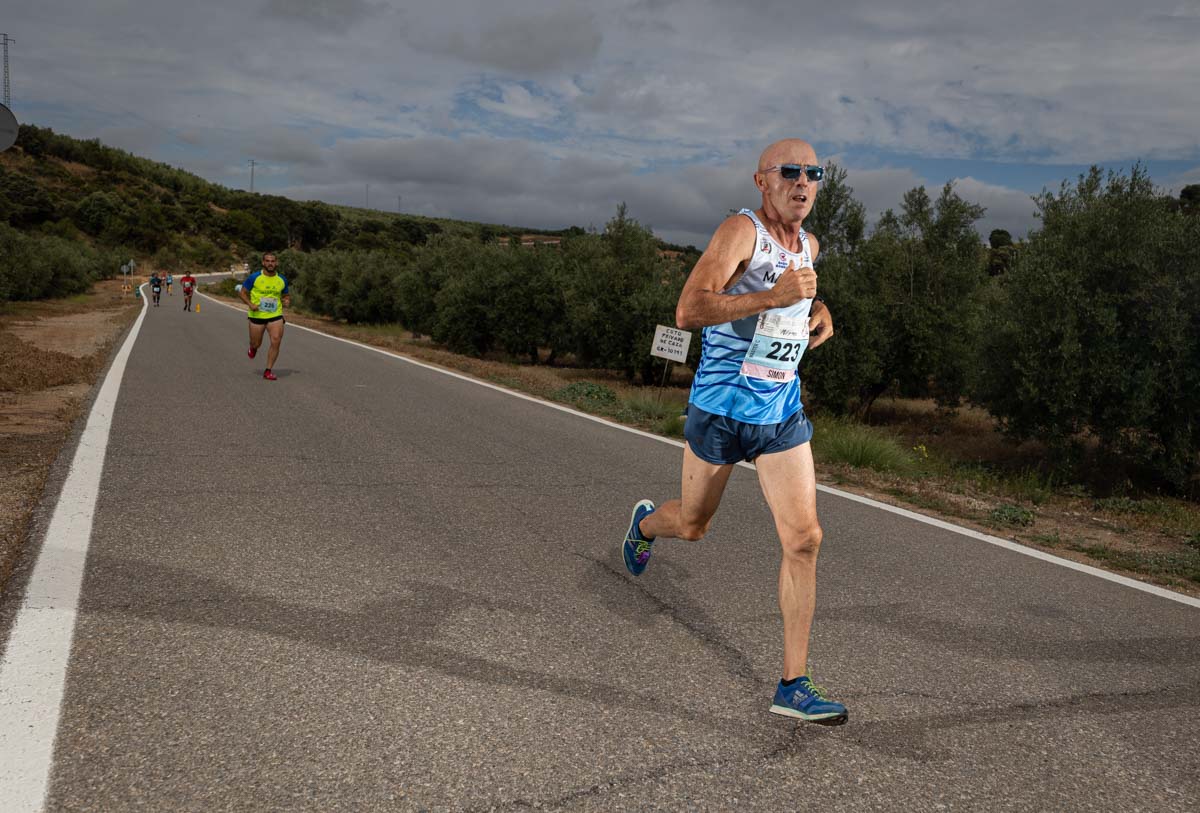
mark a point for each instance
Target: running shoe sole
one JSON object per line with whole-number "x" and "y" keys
{"x": 829, "y": 718}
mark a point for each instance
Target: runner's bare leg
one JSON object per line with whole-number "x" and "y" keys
{"x": 788, "y": 481}
{"x": 276, "y": 330}
{"x": 256, "y": 335}
{"x": 690, "y": 516}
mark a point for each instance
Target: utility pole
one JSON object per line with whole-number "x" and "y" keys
{"x": 251, "y": 176}
{"x": 7, "y": 87}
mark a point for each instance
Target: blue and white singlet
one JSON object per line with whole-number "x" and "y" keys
{"x": 747, "y": 368}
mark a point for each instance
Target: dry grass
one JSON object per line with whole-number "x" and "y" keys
{"x": 76, "y": 169}
{"x": 970, "y": 474}
{"x": 25, "y": 367}
{"x": 969, "y": 434}
{"x": 42, "y": 391}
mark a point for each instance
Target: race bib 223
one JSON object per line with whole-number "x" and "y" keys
{"x": 776, "y": 348}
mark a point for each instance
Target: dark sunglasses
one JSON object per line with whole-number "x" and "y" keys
{"x": 791, "y": 172}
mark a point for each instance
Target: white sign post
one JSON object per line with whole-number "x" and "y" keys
{"x": 670, "y": 344}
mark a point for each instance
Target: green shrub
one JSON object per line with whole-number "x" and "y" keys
{"x": 905, "y": 302}
{"x": 224, "y": 287}
{"x": 42, "y": 266}
{"x": 418, "y": 282}
{"x": 1183, "y": 565}
{"x": 1011, "y": 515}
{"x": 1095, "y": 330}
{"x": 844, "y": 441}
{"x": 529, "y": 301}
{"x": 617, "y": 288}
{"x": 587, "y": 395}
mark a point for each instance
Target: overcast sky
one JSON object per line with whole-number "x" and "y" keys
{"x": 549, "y": 114}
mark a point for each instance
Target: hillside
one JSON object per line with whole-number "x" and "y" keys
{"x": 105, "y": 201}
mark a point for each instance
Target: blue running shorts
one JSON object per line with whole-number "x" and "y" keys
{"x": 721, "y": 440}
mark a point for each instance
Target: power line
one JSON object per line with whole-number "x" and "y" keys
{"x": 7, "y": 88}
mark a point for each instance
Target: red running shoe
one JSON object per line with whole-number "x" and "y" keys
{"x": 252, "y": 352}
{"x": 267, "y": 374}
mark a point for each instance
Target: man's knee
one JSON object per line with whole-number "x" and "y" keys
{"x": 802, "y": 541}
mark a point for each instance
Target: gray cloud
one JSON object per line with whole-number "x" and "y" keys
{"x": 530, "y": 42}
{"x": 503, "y": 111}
{"x": 516, "y": 182}
{"x": 337, "y": 15}
{"x": 286, "y": 146}
{"x": 1186, "y": 178}
{"x": 135, "y": 139}
{"x": 882, "y": 189}
{"x": 1008, "y": 209}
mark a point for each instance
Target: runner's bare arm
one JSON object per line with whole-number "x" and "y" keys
{"x": 701, "y": 302}
{"x": 820, "y": 319}
{"x": 820, "y": 325}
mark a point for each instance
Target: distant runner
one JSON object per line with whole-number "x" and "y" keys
{"x": 170, "y": 279}
{"x": 187, "y": 282}
{"x": 266, "y": 294}
{"x": 753, "y": 294}
{"x": 155, "y": 287}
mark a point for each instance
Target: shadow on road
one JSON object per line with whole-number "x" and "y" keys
{"x": 404, "y": 629}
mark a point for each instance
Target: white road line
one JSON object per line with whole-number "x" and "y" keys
{"x": 991, "y": 540}
{"x": 1161, "y": 592}
{"x": 34, "y": 669}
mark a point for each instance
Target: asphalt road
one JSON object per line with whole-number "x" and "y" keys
{"x": 369, "y": 585}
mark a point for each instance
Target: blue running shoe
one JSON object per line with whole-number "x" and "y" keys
{"x": 805, "y": 700}
{"x": 636, "y": 548}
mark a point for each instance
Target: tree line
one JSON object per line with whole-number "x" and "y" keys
{"x": 56, "y": 190}
{"x": 594, "y": 297}
{"x": 1085, "y": 335}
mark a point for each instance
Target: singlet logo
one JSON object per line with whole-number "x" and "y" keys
{"x": 766, "y": 246}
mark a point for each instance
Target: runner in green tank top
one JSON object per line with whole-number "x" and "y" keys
{"x": 266, "y": 293}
